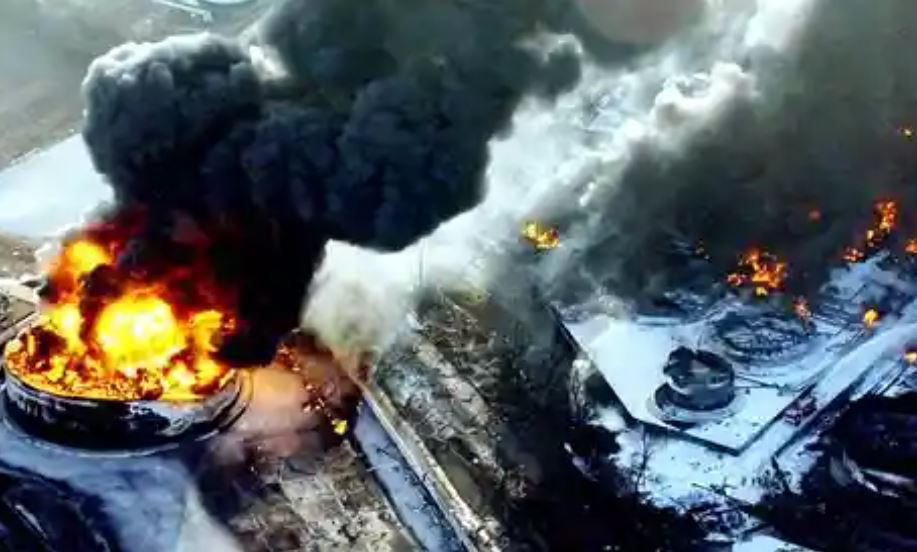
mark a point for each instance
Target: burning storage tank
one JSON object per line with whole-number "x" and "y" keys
{"x": 229, "y": 178}
{"x": 118, "y": 358}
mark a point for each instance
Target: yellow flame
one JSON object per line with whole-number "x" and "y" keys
{"x": 82, "y": 257}
{"x": 339, "y": 426}
{"x": 541, "y": 236}
{"x": 134, "y": 347}
{"x": 138, "y": 333}
{"x": 763, "y": 271}
{"x": 886, "y": 218}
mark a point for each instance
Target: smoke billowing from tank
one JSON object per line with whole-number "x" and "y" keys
{"x": 820, "y": 129}
{"x": 374, "y": 134}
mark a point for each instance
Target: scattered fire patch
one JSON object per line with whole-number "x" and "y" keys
{"x": 107, "y": 332}
{"x": 876, "y": 236}
{"x": 759, "y": 270}
{"x": 871, "y": 318}
{"x": 910, "y": 247}
{"x": 886, "y": 219}
{"x": 853, "y": 255}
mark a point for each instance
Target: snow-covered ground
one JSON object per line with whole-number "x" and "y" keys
{"x": 49, "y": 190}
{"x": 692, "y": 464}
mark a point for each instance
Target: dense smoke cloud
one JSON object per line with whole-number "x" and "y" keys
{"x": 816, "y": 129}
{"x": 375, "y": 131}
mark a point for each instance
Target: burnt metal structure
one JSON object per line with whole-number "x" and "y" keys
{"x": 752, "y": 337}
{"x": 699, "y": 387}
{"x": 875, "y": 445}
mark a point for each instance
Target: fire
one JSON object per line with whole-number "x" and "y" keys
{"x": 137, "y": 339}
{"x": 911, "y": 246}
{"x": 870, "y": 318}
{"x": 541, "y": 236}
{"x": 853, "y": 255}
{"x": 886, "y": 219}
{"x": 339, "y": 426}
{"x": 910, "y": 357}
{"x": 761, "y": 270}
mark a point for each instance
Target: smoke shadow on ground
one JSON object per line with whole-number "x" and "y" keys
{"x": 41, "y": 514}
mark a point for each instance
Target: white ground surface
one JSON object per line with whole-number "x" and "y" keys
{"x": 45, "y": 192}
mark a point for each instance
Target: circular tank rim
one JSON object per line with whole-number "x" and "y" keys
{"x": 10, "y": 375}
{"x": 109, "y": 424}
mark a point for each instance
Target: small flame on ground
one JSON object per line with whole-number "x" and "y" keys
{"x": 910, "y": 357}
{"x": 886, "y": 219}
{"x": 541, "y": 236}
{"x": 871, "y": 318}
{"x": 762, "y": 271}
{"x": 911, "y": 246}
{"x": 887, "y": 216}
{"x": 853, "y": 255}
{"x": 339, "y": 426}
{"x": 907, "y": 132}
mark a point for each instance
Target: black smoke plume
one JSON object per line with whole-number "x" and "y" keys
{"x": 795, "y": 169}
{"x": 375, "y": 132}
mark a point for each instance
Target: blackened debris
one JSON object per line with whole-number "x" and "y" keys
{"x": 881, "y": 433}
{"x": 41, "y": 514}
{"x": 837, "y": 508}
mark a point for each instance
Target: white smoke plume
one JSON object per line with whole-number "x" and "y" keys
{"x": 563, "y": 162}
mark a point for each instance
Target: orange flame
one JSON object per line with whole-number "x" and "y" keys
{"x": 135, "y": 345}
{"x": 911, "y": 246}
{"x": 761, "y": 270}
{"x": 910, "y": 357}
{"x": 853, "y": 255}
{"x": 871, "y": 318}
{"x": 886, "y": 219}
{"x": 541, "y": 236}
